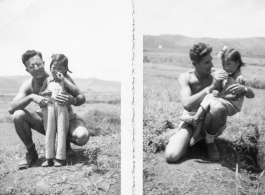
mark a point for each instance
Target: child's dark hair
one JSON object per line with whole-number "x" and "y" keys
{"x": 233, "y": 55}
{"x": 198, "y": 51}
{"x": 28, "y": 54}
{"x": 60, "y": 58}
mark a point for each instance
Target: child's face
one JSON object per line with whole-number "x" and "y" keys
{"x": 230, "y": 66}
{"x": 58, "y": 67}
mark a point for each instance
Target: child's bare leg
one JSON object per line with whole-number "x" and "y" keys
{"x": 195, "y": 119}
{"x": 200, "y": 113}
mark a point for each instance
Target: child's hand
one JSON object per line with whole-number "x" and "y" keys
{"x": 215, "y": 93}
{"x": 60, "y": 76}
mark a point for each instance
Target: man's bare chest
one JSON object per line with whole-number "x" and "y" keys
{"x": 196, "y": 86}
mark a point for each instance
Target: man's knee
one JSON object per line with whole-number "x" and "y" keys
{"x": 18, "y": 116}
{"x": 171, "y": 156}
{"x": 81, "y": 136}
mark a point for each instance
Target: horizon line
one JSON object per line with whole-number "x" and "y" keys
{"x": 72, "y": 77}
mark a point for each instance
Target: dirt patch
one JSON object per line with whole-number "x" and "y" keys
{"x": 195, "y": 174}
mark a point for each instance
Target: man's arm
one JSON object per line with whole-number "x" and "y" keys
{"x": 188, "y": 100}
{"x": 24, "y": 97}
{"x": 240, "y": 89}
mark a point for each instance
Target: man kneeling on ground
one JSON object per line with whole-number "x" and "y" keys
{"x": 195, "y": 84}
{"x": 25, "y": 120}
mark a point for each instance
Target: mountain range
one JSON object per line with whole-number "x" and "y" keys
{"x": 252, "y": 45}
{"x": 12, "y": 84}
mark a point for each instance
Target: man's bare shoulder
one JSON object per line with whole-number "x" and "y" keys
{"x": 186, "y": 75}
{"x": 27, "y": 86}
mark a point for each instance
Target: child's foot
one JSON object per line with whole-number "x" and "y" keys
{"x": 47, "y": 163}
{"x": 59, "y": 163}
{"x": 190, "y": 119}
{"x": 213, "y": 153}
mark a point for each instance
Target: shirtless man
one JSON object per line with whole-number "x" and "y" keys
{"x": 195, "y": 84}
{"x": 25, "y": 120}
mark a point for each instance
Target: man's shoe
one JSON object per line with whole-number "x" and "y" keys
{"x": 47, "y": 163}
{"x": 31, "y": 157}
{"x": 213, "y": 153}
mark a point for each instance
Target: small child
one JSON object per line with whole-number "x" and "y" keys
{"x": 232, "y": 63}
{"x": 55, "y": 116}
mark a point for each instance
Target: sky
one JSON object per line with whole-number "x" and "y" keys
{"x": 90, "y": 33}
{"x": 205, "y": 18}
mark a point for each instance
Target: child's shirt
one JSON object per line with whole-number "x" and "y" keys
{"x": 54, "y": 86}
{"x": 237, "y": 78}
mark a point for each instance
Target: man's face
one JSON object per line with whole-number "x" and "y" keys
{"x": 35, "y": 66}
{"x": 205, "y": 65}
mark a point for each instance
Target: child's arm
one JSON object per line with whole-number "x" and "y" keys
{"x": 69, "y": 84}
{"x": 76, "y": 97}
{"x": 73, "y": 89}
{"x": 217, "y": 91}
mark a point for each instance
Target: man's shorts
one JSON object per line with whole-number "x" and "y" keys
{"x": 199, "y": 131}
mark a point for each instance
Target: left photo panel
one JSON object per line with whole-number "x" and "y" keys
{"x": 61, "y": 95}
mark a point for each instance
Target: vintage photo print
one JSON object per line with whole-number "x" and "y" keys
{"x": 60, "y": 127}
{"x": 203, "y": 97}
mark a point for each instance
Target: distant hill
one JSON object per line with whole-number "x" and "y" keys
{"x": 253, "y": 45}
{"x": 12, "y": 84}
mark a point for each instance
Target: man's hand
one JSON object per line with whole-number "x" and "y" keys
{"x": 41, "y": 101}
{"x": 219, "y": 77}
{"x": 215, "y": 93}
{"x": 64, "y": 99}
{"x": 236, "y": 89}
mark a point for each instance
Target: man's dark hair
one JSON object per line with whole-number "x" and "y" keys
{"x": 198, "y": 51}
{"x": 28, "y": 54}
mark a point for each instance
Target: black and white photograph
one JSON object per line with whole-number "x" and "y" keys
{"x": 203, "y": 97}
{"x": 60, "y": 87}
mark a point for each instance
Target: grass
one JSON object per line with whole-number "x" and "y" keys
{"x": 162, "y": 109}
{"x": 253, "y": 72}
{"x": 91, "y": 169}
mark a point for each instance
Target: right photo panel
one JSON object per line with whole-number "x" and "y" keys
{"x": 203, "y": 97}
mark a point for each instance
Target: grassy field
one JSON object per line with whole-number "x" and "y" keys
{"x": 194, "y": 174}
{"x": 91, "y": 169}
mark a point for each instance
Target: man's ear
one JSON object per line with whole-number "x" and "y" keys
{"x": 194, "y": 63}
{"x": 27, "y": 70}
